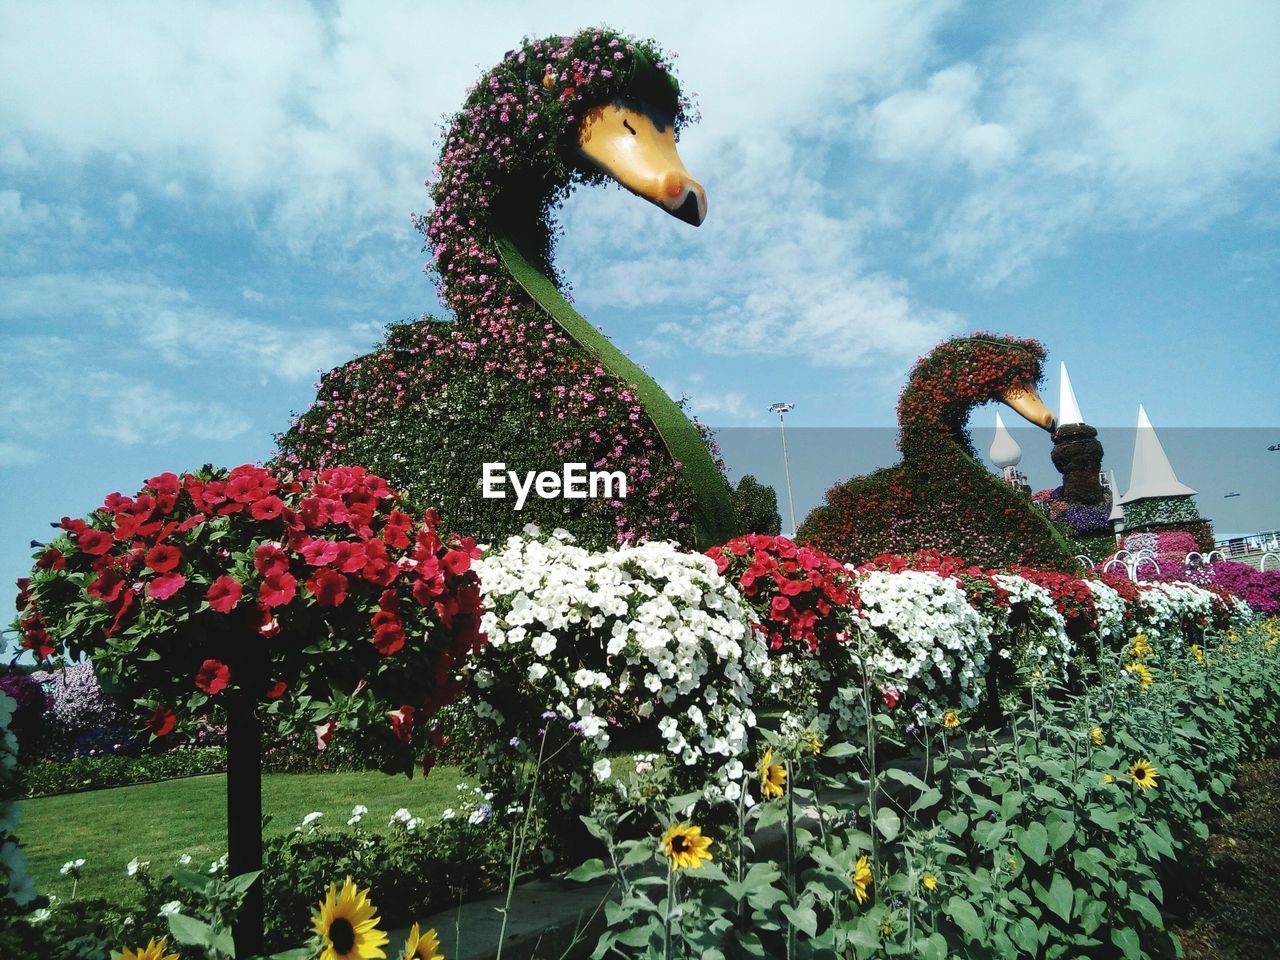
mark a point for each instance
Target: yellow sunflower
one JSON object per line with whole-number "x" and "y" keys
{"x": 1143, "y": 774}
{"x": 929, "y": 882}
{"x": 812, "y": 742}
{"x": 424, "y": 947}
{"x": 154, "y": 950}
{"x": 773, "y": 776}
{"x": 1140, "y": 648}
{"x": 1108, "y": 779}
{"x": 685, "y": 846}
{"x": 1142, "y": 673}
{"x": 1095, "y": 734}
{"x": 950, "y": 720}
{"x": 1198, "y": 652}
{"x": 348, "y": 924}
{"x": 862, "y": 879}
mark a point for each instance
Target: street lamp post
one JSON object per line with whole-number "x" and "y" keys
{"x": 781, "y": 409}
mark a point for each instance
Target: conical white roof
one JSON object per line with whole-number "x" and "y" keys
{"x": 1151, "y": 475}
{"x": 1117, "y": 511}
{"x": 1004, "y": 451}
{"x": 1068, "y": 409}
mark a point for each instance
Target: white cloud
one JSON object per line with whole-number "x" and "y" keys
{"x": 939, "y": 124}
{"x": 127, "y": 207}
{"x": 52, "y": 392}
{"x": 167, "y": 323}
{"x": 1128, "y": 118}
{"x": 17, "y": 455}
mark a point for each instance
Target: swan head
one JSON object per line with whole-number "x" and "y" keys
{"x": 632, "y": 139}
{"x": 966, "y": 372}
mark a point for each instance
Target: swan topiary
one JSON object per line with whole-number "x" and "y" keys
{"x": 940, "y": 497}
{"x": 519, "y": 376}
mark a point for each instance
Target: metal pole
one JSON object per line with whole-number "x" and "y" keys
{"x": 786, "y": 462}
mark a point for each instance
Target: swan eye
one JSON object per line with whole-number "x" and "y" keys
{"x": 626, "y": 123}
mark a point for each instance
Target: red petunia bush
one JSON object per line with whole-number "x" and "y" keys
{"x": 312, "y": 596}
{"x": 797, "y": 592}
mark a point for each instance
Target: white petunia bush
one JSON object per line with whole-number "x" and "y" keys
{"x": 1111, "y": 610}
{"x": 921, "y": 637}
{"x": 1169, "y": 610}
{"x": 587, "y": 646}
{"x": 1031, "y": 633}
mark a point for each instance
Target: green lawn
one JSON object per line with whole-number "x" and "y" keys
{"x": 161, "y": 821}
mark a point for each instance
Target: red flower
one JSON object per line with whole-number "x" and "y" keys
{"x": 270, "y": 558}
{"x": 329, "y": 587}
{"x": 350, "y": 557}
{"x": 892, "y": 698}
{"x": 213, "y": 677}
{"x": 779, "y": 607}
{"x": 319, "y": 552}
{"x": 277, "y": 690}
{"x": 162, "y": 722}
{"x": 164, "y": 483}
{"x": 277, "y": 589}
{"x": 268, "y": 625}
{"x": 388, "y": 638}
{"x": 52, "y": 559}
{"x": 191, "y": 523}
{"x": 108, "y": 585}
{"x": 324, "y": 733}
{"x": 456, "y": 562}
{"x": 95, "y": 542}
{"x": 162, "y": 558}
{"x": 268, "y": 508}
{"x": 402, "y": 723}
{"x": 224, "y": 593}
{"x": 165, "y": 586}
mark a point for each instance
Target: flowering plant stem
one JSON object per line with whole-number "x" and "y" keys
{"x": 672, "y": 891}
{"x": 791, "y": 861}
{"x": 518, "y": 838}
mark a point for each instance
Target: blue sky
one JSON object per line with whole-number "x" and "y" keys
{"x": 203, "y": 205}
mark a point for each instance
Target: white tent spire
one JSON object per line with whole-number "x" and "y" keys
{"x": 1151, "y": 475}
{"x": 1117, "y": 511}
{"x": 1005, "y": 452}
{"x": 1068, "y": 409}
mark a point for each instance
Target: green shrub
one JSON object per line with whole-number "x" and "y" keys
{"x": 756, "y": 505}
{"x": 95, "y": 773}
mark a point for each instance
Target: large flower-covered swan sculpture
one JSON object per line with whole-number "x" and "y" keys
{"x": 519, "y": 377}
{"x": 940, "y": 497}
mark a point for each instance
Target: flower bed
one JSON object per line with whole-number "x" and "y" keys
{"x": 1052, "y": 841}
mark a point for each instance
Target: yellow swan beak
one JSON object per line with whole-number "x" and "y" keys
{"x": 639, "y": 151}
{"x": 1024, "y": 399}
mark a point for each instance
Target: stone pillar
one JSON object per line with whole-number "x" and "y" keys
{"x": 1077, "y": 454}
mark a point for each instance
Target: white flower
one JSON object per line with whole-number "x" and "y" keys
{"x": 544, "y": 644}
{"x": 72, "y": 866}
{"x": 447, "y": 813}
{"x": 602, "y": 769}
{"x": 41, "y": 915}
{"x": 184, "y": 860}
{"x": 308, "y": 820}
{"x": 135, "y": 865}
{"x": 170, "y": 908}
{"x": 218, "y": 865}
